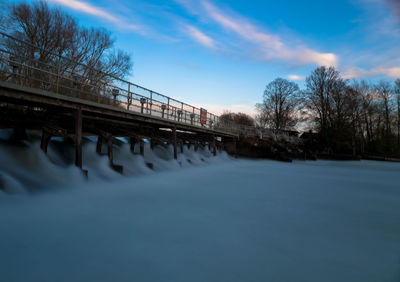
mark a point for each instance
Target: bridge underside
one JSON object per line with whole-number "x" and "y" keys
{"x": 55, "y": 115}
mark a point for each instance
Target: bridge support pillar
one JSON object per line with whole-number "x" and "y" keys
{"x": 235, "y": 146}
{"x": 110, "y": 149}
{"x": 99, "y": 144}
{"x": 196, "y": 146}
{"x": 78, "y": 138}
{"x": 141, "y": 144}
{"x": 214, "y": 147}
{"x": 174, "y": 143}
{"x": 132, "y": 142}
{"x": 117, "y": 168}
{"x": 153, "y": 143}
{"x": 44, "y": 142}
{"x": 181, "y": 145}
{"x": 108, "y": 137}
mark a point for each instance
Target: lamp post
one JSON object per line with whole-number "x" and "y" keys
{"x": 76, "y": 82}
{"x": 115, "y": 93}
{"x": 142, "y": 101}
{"x": 191, "y": 118}
{"x": 179, "y": 114}
{"x": 163, "y": 108}
{"x": 14, "y": 66}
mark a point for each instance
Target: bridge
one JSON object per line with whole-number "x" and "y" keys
{"x": 43, "y": 91}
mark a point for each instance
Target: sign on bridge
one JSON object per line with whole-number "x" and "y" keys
{"x": 203, "y": 116}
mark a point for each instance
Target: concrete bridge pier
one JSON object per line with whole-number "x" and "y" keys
{"x": 109, "y": 139}
{"x": 141, "y": 147}
{"x": 78, "y": 138}
{"x": 44, "y": 142}
{"x": 99, "y": 144}
{"x": 174, "y": 142}
{"x": 213, "y": 145}
{"x": 153, "y": 143}
{"x": 132, "y": 142}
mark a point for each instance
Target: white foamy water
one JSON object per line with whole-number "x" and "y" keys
{"x": 204, "y": 220}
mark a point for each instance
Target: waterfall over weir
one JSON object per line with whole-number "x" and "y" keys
{"x": 24, "y": 167}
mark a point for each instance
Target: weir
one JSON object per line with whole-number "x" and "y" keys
{"x": 36, "y": 95}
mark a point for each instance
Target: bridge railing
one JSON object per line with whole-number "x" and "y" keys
{"x": 25, "y": 64}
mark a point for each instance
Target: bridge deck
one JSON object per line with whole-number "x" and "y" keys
{"x": 118, "y": 116}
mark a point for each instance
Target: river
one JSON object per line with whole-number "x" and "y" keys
{"x": 196, "y": 219}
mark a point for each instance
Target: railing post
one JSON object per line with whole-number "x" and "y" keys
{"x": 129, "y": 97}
{"x": 151, "y": 100}
{"x": 168, "y": 109}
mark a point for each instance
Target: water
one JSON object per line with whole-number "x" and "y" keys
{"x": 206, "y": 220}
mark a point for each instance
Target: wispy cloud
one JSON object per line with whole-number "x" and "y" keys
{"x": 98, "y": 12}
{"x": 296, "y": 77}
{"x": 197, "y": 35}
{"x": 351, "y": 73}
{"x": 260, "y": 44}
{"x": 393, "y": 72}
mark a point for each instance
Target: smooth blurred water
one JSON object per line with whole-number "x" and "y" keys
{"x": 217, "y": 219}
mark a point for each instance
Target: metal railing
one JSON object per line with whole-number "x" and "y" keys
{"x": 28, "y": 65}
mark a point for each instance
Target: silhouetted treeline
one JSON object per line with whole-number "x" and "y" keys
{"x": 237, "y": 118}
{"x": 350, "y": 116}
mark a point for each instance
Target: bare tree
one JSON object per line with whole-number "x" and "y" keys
{"x": 366, "y": 112}
{"x": 56, "y": 40}
{"x": 237, "y": 118}
{"x": 3, "y": 9}
{"x": 278, "y": 110}
{"x": 318, "y": 95}
{"x": 384, "y": 92}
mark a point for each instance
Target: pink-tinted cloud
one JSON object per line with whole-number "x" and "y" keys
{"x": 296, "y": 77}
{"x": 199, "y": 36}
{"x": 90, "y": 9}
{"x": 259, "y": 44}
{"x": 352, "y": 73}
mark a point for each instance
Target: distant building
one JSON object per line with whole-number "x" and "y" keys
{"x": 309, "y": 136}
{"x": 290, "y": 133}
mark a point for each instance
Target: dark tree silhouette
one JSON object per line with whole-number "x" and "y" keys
{"x": 279, "y": 108}
{"x": 238, "y": 118}
{"x": 52, "y": 34}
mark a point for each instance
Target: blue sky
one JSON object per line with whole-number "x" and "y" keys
{"x": 221, "y": 54}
